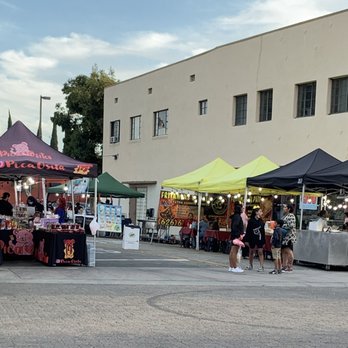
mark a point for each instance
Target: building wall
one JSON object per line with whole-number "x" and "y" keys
{"x": 310, "y": 51}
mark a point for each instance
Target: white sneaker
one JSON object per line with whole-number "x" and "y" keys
{"x": 237, "y": 270}
{"x": 230, "y": 269}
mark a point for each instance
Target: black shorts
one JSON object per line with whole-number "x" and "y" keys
{"x": 256, "y": 244}
{"x": 288, "y": 245}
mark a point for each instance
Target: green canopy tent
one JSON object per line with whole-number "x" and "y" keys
{"x": 107, "y": 185}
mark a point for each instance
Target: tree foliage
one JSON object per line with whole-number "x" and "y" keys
{"x": 54, "y": 137}
{"x": 82, "y": 117}
{"x": 9, "y": 120}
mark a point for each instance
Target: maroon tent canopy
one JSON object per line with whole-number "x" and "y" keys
{"x": 22, "y": 154}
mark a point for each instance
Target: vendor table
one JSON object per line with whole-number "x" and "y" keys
{"x": 329, "y": 249}
{"x": 221, "y": 236}
{"x": 16, "y": 242}
{"x": 59, "y": 248}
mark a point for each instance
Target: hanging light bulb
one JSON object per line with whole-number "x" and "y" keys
{"x": 249, "y": 193}
{"x": 235, "y": 196}
{"x": 292, "y": 200}
{"x": 83, "y": 195}
{"x": 344, "y": 206}
{"x": 275, "y": 196}
{"x": 203, "y": 199}
{"x": 340, "y": 206}
{"x": 329, "y": 206}
{"x": 66, "y": 187}
{"x": 195, "y": 201}
{"x": 238, "y": 195}
{"x": 220, "y": 198}
{"x": 229, "y": 195}
{"x": 260, "y": 189}
{"x": 328, "y": 201}
{"x": 222, "y": 201}
{"x": 57, "y": 194}
{"x": 334, "y": 208}
{"x": 309, "y": 200}
{"x": 248, "y": 200}
{"x": 262, "y": 199}
{"x": 211, "y": 199}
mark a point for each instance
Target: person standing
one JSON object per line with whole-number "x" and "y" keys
{"x": 61, "y": 210}
{"x": 5, "y": 206}
{"x": 237, "y": 230}
{"x": 202, "y": 227}
{"x": 276, "y": 246}
{"x": 255, "y": 238}
{"x": 290, "y": 238}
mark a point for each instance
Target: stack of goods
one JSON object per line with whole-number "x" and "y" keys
{"x": 70, "y": 228}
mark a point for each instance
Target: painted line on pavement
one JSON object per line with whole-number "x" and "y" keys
{"x": 167, "y": 260}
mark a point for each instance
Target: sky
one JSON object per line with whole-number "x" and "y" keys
{"x": 45, "y": 43}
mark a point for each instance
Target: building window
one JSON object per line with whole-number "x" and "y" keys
{"x": 161, "y": 120}
{"x": 193, "y": 78}
{"x": 115, "y": 131}
{"x": 135, "y": 127}
{"x": 116, "y": 100}
{"x": 339, "y": 95}
{"x": 241, "y": 110}
{"x": 149, "y": 90}
{"x": 306, "y": 99}
{"x": 266, "y": 97}
{"x": 203, "y": 107}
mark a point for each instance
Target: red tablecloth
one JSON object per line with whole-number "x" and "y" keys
{"x": 219, "y": 235}
{"x": 187, "y": 231}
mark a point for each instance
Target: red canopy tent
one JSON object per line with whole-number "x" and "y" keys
{"x": 22, "y": 153}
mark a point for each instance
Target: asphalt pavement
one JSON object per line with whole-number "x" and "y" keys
{"x": 166, "y": 296}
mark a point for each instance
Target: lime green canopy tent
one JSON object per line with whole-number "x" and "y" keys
{"x": 194, "y": 180}
{"x": 107, "y": 185}
{"x": 236, "y": 180}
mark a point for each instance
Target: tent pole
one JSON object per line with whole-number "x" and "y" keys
{"x": 72, "y": 199}
{"x": 44, "y": 195}
{"x": 302, "y": 199}
{"x": 15, "y": 191}
{"x": 198, "y": 218}
{"x": 245, "y": 197}
{"x": 95, "y": 214}
{"x": 228, "y": 210}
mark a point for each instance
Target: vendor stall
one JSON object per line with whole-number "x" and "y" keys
{"x": 22, "y": 154}
{"x": 317, "y": 171}
{"x": 325, "y": 248}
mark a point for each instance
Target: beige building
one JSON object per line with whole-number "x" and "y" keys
{"x": 281, "y": 94}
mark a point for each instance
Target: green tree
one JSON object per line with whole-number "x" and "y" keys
{"x": 54, "y": 137}
{"x": 81, "y": 119}
{"x": 9, "y": 121}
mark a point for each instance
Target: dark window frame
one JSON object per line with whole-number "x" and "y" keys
{"x": 203, "y": 107}
{"x": 306, "y": 99}
{"x": 266, "y": 105}
{"x": 241, "y": 108}
{"x": 135, "y": 131}
{"x": 339, "y": 95}
{"x": 115, "y": 131}
{"x": 160, "y": 122}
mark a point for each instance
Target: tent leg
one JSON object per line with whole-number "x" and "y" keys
{"x": 302, "y": 199}
{"x": 198, "y": 218}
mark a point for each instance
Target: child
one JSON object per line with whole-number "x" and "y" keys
{"x": 276, "y": 246}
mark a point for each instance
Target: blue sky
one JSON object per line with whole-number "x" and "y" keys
{"x": 45, "y": 43}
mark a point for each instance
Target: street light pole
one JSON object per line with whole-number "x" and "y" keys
{"x": 39, "y": 130}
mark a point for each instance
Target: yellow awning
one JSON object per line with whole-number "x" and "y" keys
{"x": 236, "y": 181}
{"x": 195, "y": 179}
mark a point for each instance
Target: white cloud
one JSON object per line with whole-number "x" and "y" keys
{"x": 271, "y": 14}
{"x": 17, "y": 64}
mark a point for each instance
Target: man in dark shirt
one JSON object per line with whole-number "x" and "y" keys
{"x": 5, "y": 206}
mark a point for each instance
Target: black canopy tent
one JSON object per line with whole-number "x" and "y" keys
{"x": 295, "y": 175}
{"x": 334, "y": 177}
